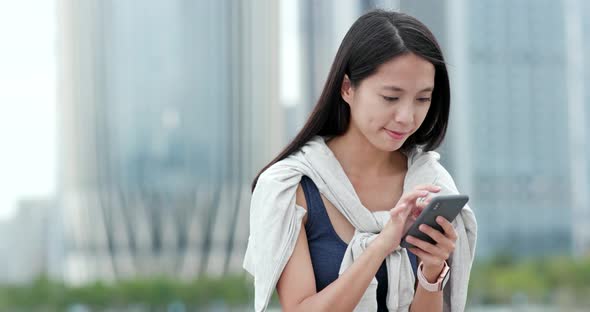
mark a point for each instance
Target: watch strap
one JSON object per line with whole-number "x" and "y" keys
{"x": 440, "y": 282}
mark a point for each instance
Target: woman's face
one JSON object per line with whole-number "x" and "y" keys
{"x": 390, "y": 105}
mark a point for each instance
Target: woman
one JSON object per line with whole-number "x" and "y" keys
{"x": 322, "y": 228}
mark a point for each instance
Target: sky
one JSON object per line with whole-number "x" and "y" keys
{"x": 27, "y": 101}
{"x": 290, "y": 59}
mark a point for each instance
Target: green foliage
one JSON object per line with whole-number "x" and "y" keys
{"x": 556, "y": 280}
{"x": 155, "y": 294}
{"x": 503, "y": 280}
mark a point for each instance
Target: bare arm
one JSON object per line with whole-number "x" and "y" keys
{"x": 425, "y": 300}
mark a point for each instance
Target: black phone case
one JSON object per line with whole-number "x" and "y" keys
{"x": 448, "y": 206}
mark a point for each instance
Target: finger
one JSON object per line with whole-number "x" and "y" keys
{"x": 427, "y": 247}
{"x": 417, "y": 211}
{"x": 402, "y": 209}
{"x": 422, "y": 202}
{"x": 448, "y": 228}
{"x": 420, "y": 253}
{"x": 426, "y": 197}
{"x": 412, "y": 196}
{"x": 424, "y": 256}
{"x": 443, "y": 242}
{"x": 420, "y": 205}
{"x": 433, "y": 233}
{"x": 427, "y": 187}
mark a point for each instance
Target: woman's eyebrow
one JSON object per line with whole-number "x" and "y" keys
{"x": 396, "y": 88}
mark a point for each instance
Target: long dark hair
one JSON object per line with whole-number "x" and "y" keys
{"x": 375, "y": 38}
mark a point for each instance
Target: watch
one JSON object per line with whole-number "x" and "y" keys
{"x": 440, "y": 282}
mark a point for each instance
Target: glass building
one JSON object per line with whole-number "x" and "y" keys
{"x": 168, "y": 109}
{"x": 518, "y": 129}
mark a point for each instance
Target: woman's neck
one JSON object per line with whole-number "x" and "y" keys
{"x": 359, "y": 157}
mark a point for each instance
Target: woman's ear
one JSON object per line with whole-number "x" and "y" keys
{"x": 346, "y": 91}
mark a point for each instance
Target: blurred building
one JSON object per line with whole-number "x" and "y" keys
{"x": 517, "y": 143}
{"x": 25, "y": 241}
{"x": 168, "y": 109}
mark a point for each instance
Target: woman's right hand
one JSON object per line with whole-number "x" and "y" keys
{"x": 403, "y": 215}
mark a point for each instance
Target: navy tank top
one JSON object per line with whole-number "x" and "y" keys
{"x": 327, "y": 249}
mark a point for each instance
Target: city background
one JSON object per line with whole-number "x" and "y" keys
{"x": 131, "y": 131}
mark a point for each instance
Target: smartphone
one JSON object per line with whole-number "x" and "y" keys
{"x": 447, "y": 206}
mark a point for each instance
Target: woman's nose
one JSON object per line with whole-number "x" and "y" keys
{"x": 404, "y": 114}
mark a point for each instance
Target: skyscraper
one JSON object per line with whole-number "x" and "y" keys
{"x": 166, "y": 114}
{"x": 516, "y": 137}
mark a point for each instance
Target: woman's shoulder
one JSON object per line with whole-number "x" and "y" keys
{"x": 293, "y": 163}
{"x": 281, "y": 175}
{"x": 427, "y": 166}
{"x": 279, "y": 170}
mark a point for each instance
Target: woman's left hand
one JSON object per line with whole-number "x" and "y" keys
{"x": 434, "y": 256}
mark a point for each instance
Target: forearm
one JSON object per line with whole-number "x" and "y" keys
{"x": 425, "y": 300}
{"x": 346, "y": 291}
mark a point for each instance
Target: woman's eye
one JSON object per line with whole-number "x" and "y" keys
{"x": 390, "y": 99}
{"x": 424, "y": 100}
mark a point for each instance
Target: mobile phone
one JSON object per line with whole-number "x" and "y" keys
{"x": 447, "y": 206}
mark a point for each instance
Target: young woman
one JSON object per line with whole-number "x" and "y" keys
{"x": 328, "y": 213}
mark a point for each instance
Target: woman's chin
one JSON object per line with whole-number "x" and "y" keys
{"x": 389, "y": 145}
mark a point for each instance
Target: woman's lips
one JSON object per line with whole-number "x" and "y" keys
{"x": 396, "y": 135}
